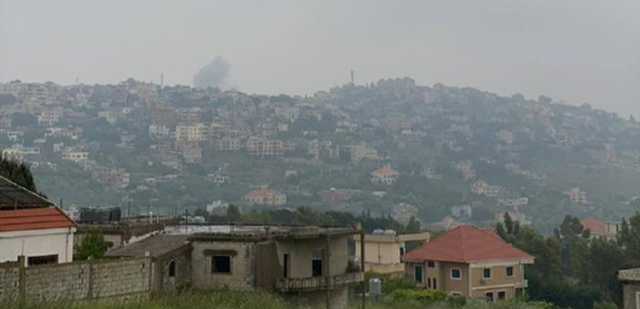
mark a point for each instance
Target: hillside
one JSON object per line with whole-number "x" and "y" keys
{"x": 458, "y": 152}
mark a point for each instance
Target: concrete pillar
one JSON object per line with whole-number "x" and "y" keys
{"x": 22, "y": 276}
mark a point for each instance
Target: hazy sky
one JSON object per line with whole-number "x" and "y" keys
{"x": 573, "y": 50}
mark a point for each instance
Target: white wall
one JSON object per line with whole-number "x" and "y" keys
{"x": 37, "y": 243}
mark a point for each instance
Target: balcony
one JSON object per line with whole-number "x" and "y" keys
{"x": 318, "y": 283}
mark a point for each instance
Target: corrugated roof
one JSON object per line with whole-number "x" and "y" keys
{"x": 13, "y": 196}
{"x": 33, "y": 219}
{"x": 157, "y": 246}
{"x": 467, "y": 244}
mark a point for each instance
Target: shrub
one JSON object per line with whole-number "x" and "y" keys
{"x": 423, "y": 296}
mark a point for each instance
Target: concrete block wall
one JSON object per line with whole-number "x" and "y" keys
{"x": 57, "y": 282}
{"x": 76, "y": 281}
{"x": 9, "y": 282}
{"x": 122, "y": 277}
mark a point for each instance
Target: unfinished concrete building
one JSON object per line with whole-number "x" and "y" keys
{"x": 306, "y": 265}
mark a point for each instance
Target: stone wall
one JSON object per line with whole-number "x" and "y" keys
{"x": 76, "y": 281}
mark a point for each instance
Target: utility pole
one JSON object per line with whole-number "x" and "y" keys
{"x": 364, "y": 284}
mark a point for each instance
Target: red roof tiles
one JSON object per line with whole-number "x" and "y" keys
{"x": 33, "y": 219}
{"x": 385, "y": 171}
{"x": 467, "y": 244}
{"x": 595, "y": 226}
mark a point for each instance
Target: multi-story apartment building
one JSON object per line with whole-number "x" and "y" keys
{"x": 50, "y": 117}
{"x": 229, "y": 144}
{"x": 75, "y": 156}
{"x": 265, "y": 196}
{"x": 469, "y": 262}
{"x": 363, "y": 152}
{"x": 192, "y": 133}
{"x": 265, "y": 147}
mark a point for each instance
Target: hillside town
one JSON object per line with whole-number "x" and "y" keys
{"x": 392, "y": 148}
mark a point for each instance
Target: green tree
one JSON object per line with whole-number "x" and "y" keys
{"x": 92, "y": 246}
{"x": 18, "y": 173}
{"x": 413, "y": 226}
{"x": 605, "y": 258}
{"x": 233, "y": 213}
{"x": 571, "y": 227}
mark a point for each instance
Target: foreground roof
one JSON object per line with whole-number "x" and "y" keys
{"x": 14, "y": 196}
{"x": 156, "y": 246}
{"x": 468, "y": 244}
{"x": 34, "y": 219}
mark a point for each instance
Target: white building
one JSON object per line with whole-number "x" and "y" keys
{"x": 41, "y": 235}
{"x": 192, "y": 133}
{"x": 31, "y": 226}
{"x": 75, "y": 156}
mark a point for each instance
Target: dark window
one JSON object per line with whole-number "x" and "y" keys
{"x": 43, "y": 259}
{"x": 431, "y": 264}
{"x": 502, "y": 295}
{"x": 489, "y": 296}
{"x": 435, "y": 284}
{"x": 316, "y": 267}
{"x": 172, "y": 269}
{"x": 486, "y": 273}
{"x": 510, "y": 271}
{"x": 285, "y": 259}
{"x": 401, "y": 251}
{"x": 418, "y": 273}
{"x": 429, "y": 282}
{"x": 221, "y": 264}
{"x": 455, "y": 273}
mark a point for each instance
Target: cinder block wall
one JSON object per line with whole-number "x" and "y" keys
{"x": 121, "y": 278}
{"x": 57, "y": 282}
{"x": 76, "y": 281}
{"x": 9, "y": 282}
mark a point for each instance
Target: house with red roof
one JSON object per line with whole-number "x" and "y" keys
{"x": 600, "y": 229}
{"x": 384, "y": 176}
{"x": 470, "y": 262}
{"x": 31, "y": 226}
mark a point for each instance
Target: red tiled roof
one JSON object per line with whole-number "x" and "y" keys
{"x": 595, "y": 226}
{"x": 467, "y": 244}
{"x": 261, "y": 193}
{"x": 34, "y": 219}
{"x": 385, "y": 171}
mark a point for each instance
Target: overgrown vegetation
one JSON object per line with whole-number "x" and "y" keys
{"x": 572, "y": 269}
{"x": 263, "y": 300}
{"x": 92, "y": 246}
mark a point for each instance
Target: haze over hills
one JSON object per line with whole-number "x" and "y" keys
{"x": 389, "y": 148}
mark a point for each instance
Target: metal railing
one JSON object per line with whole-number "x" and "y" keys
{"x": 318, "y": 283}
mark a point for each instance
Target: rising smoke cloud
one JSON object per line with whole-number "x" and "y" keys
{"x": 214, "y": 74}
